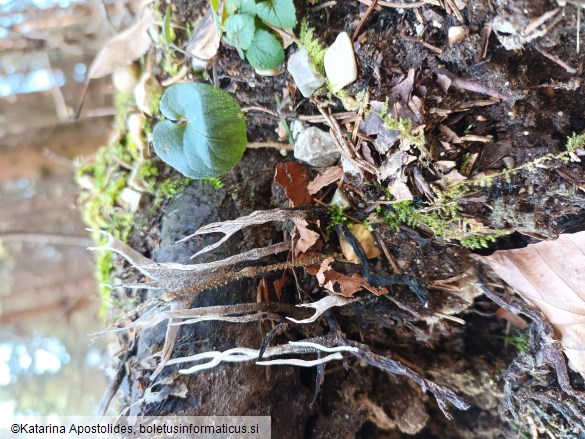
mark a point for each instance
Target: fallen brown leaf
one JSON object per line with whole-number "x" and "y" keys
{"x": 330, "y": 175}
{"x": 123, "y": 49}
{"x": 366, "y": 239}
{"x": 551, "y": 275}
{"x": 294, "y": 178}
{"x": 205, "y": 40}
{"x": 341, "y": 284}
{"x": 307, "y": 237}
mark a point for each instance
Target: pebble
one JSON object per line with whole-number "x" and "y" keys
{"x": 316, "y": 147}
{"x": 147, "y": 94}
{"x": 303, "y": 72}
{"x": 340, "y": 64}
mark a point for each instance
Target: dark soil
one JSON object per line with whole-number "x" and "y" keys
{"x": 542, "y": 107}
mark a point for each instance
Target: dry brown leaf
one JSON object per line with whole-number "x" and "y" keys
{"x": 294, "y": 178}
{"x": 123, "y": 49}
{"x": 205, "y": 40}
{"x": 331, "y": 175}
{"x": 366, "y": 239}
{"x": 120, "y": 51}
{"x": 551, "y": 275}
{"x": 341, "y": 284}
{"x": 307, "y": 237}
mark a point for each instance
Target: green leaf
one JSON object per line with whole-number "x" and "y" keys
{"x": 239, "y": 30}
{"x": 278, "y": 13}
{"x": 210, "y": 137}
{"x": 265, "y": 52}
{"x": 168, "y": 31}
{"x": 241, "y": 7}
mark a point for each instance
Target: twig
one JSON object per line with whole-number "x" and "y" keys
{"x": 275, "y": 145}
{"x": 260, "y": 109}
{"x": 322, "y": 6}
{"x": 424, "y": 43}
{"x": 578, "y": 28}
{"x": 363, "y": 19}
{"x": 556, "y": 59}
{"x": 343, "y": 117}
{"x": 402, "y": 5}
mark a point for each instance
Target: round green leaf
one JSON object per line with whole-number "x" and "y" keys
{"x": 278, "y": 13}
{"x": 210, "y": 138}
{"x": 241, "y": 7}
{"x": 239, "y": 30}
{"x": 265, "y": 51}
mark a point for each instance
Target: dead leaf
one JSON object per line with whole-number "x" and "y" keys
{"x": 294, "y": 178}
{"x": 404, "y": 89}
{"x": 123, "y": 49}
{"x": 400, "y": 191}
{"x": 205, "y": 40}
{"x": 307, "y": 237}
{"x": 365, "y": 238}
{"x": 341, "y": 284}
{"x": 331, "y": 175}
{"x": 120, "y": 51}
{"x": 551, "y": 275}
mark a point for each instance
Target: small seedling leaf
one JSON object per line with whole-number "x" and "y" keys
{"x": 278, "y": 13}
{"x": 210, "y": 137}
{"x": 241, "y": 7}
{"x": 168, "y": 31}
{"x": 265, "y": 52}
{"x": 239, "y": 30}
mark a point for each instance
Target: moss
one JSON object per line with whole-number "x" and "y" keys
{"x": 313, "y": 46}
{"x": 442, "y": 222}
{"x": 215, "y": 182}
{"x": 336, "y": 213}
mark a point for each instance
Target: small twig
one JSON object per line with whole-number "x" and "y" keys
{"x": 275, "y": 145}
{"x": 395, "y": 267}
{"x": 344, "y": 117}
{"x": 322, "y": 6}
{"x": 363, "y": 19}
{"x": 403, "y": 5}
{"x": 578, "y": 28}
{"x": 260, "y": 109}
{"x": 424, "y": 43}
{"x": 556, "y": 59}
{"x": 475, "y": 138}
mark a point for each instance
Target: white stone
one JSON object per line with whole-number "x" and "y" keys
{"x": 317, "y": 148}
{"x": 340, "y": 64}
{"x": 303, "y": 72}
{"x": 340, "y": 199}
{"x": 147, "y": 94}
{"x": 270, "y": 72}
{"x": 456, "y": 34}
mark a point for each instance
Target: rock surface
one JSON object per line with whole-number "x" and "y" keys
{"x": 303, "y": 72}
{"x": 316, "y": 147}
{"x": 340, "y": 64}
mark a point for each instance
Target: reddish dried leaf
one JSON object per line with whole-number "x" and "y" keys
{"x": 325, "y": 178}
{"x": 341, "y": 284}
{"x": 551, "y": 275}
{"x": 294, "y": 178}
{"x": 307, "y": 237}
